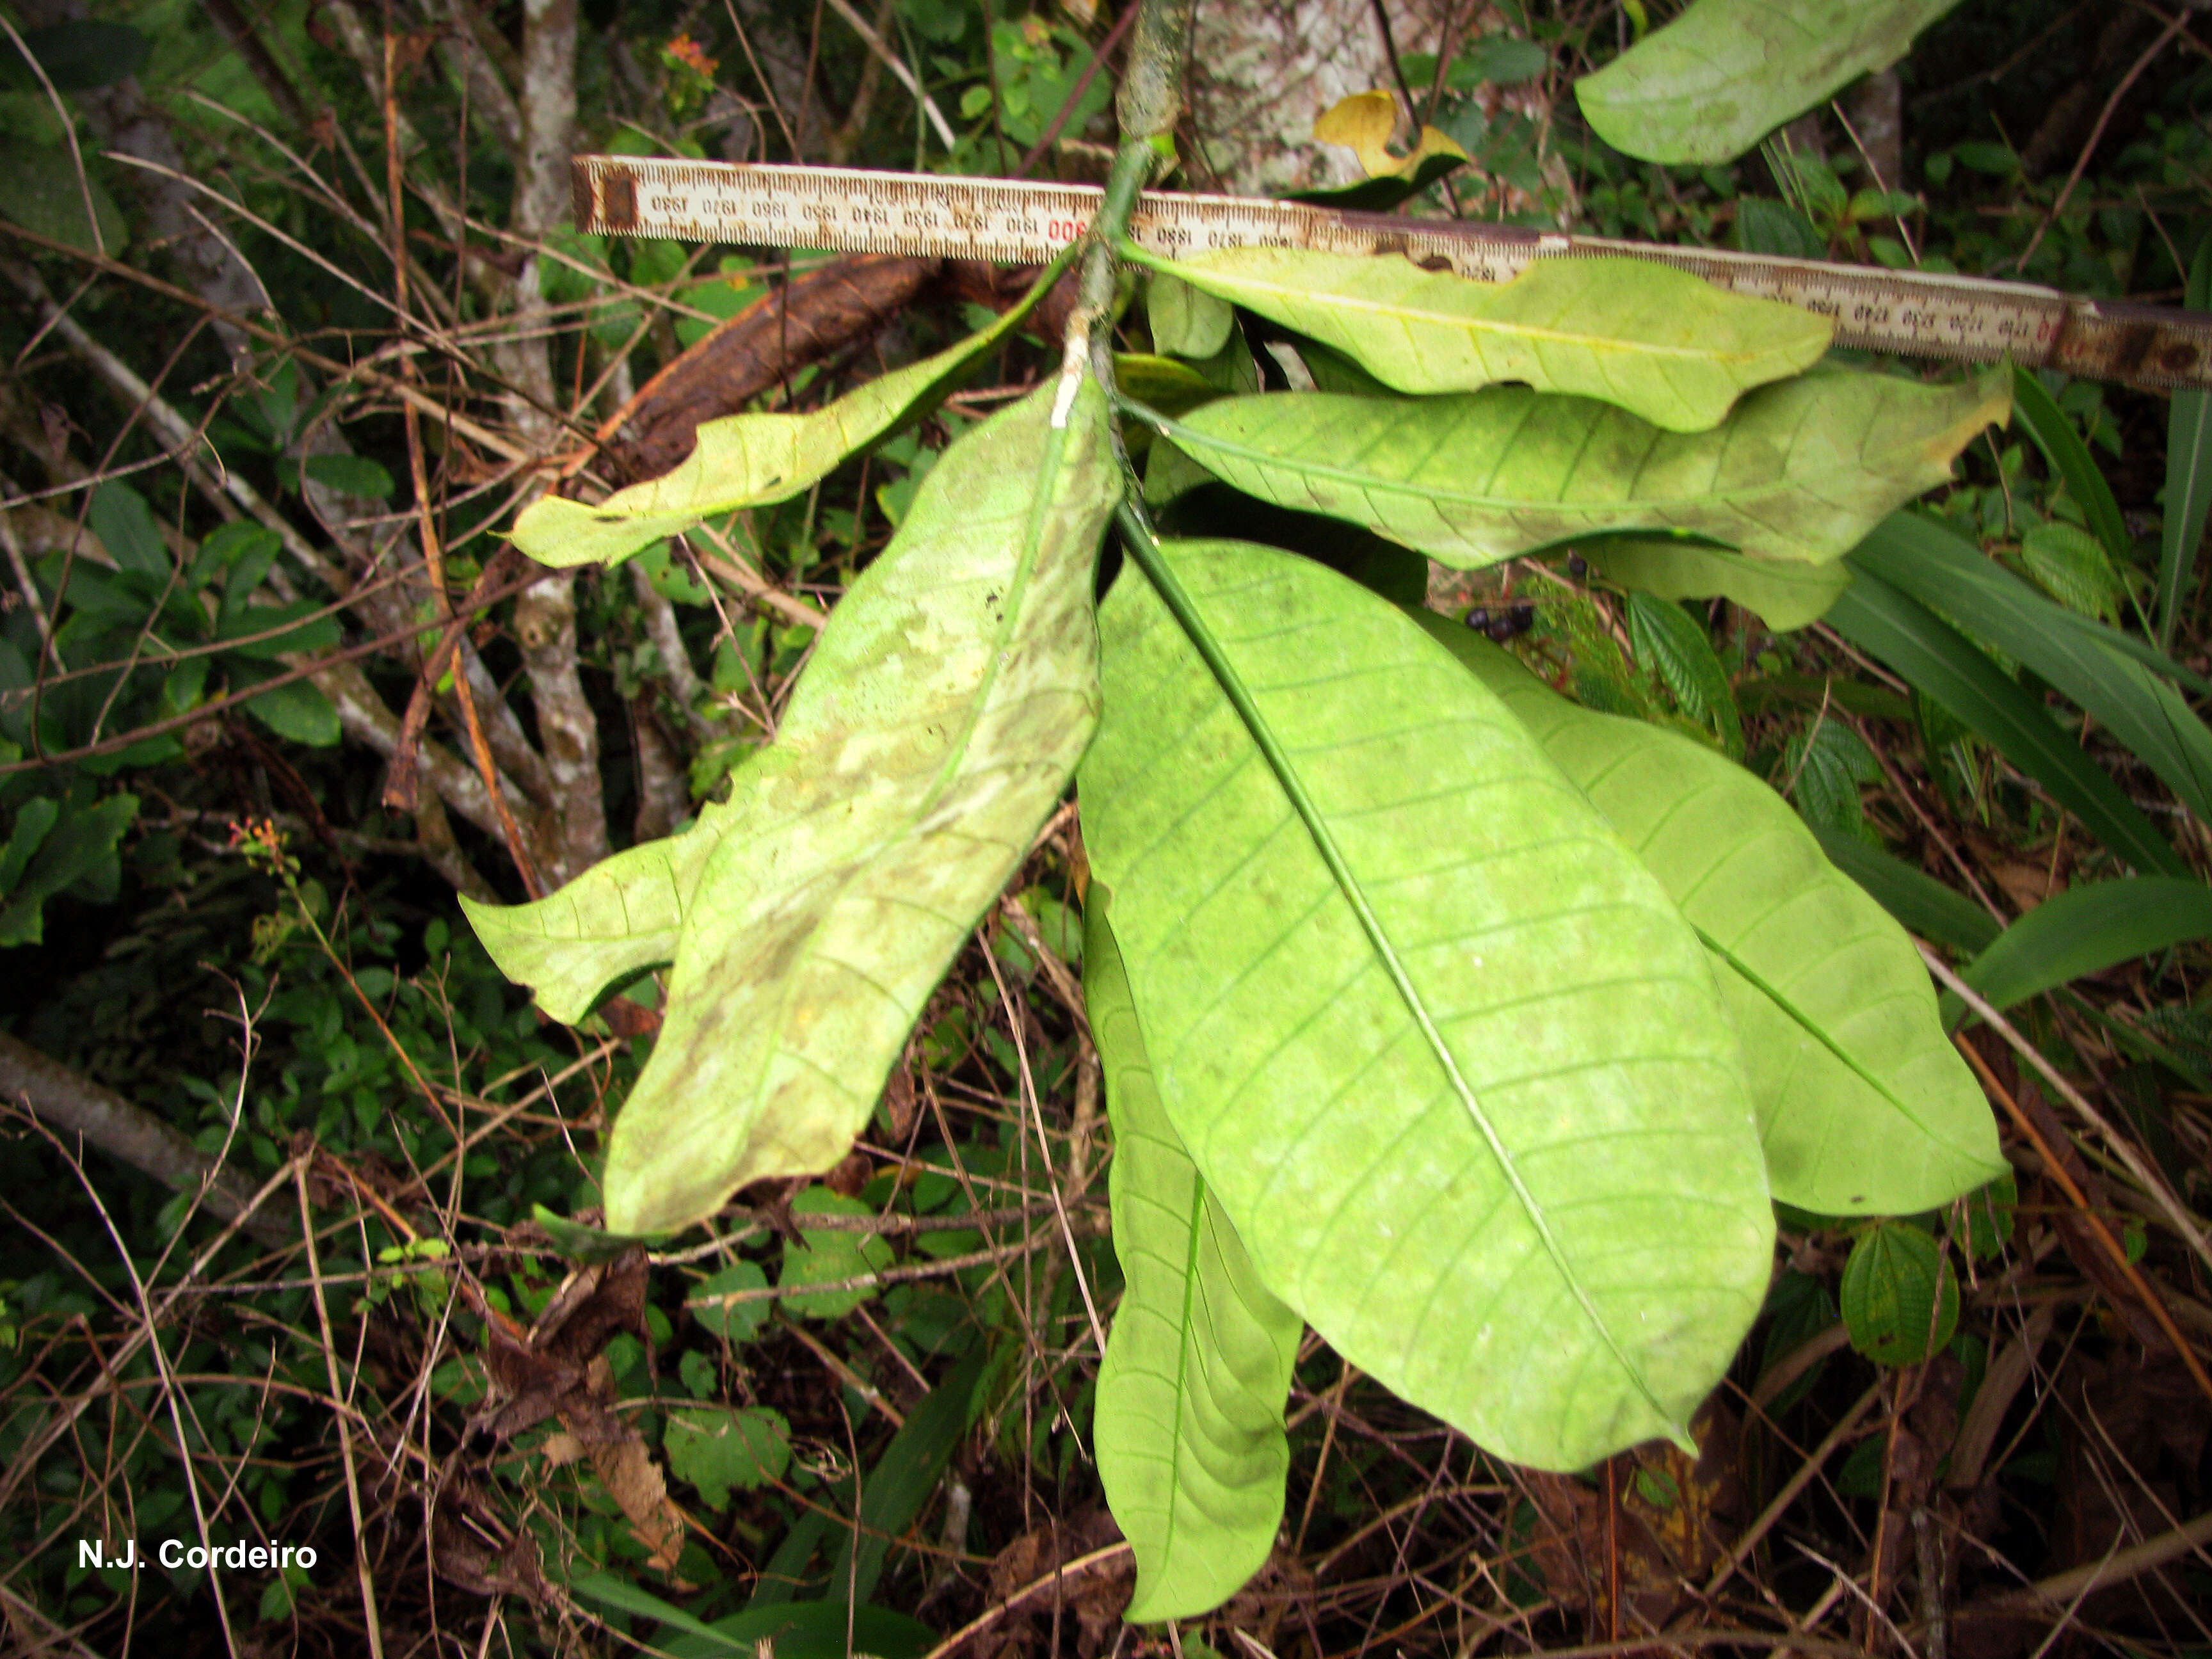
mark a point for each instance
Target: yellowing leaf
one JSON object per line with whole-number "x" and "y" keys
{"x": 749, "y": 460}
{"x": 1798, "y": 472}
{"x": 1363, "y": 123}
{"x": 1665, "y": 344}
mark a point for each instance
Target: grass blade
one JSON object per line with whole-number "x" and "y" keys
{"x": 2188, "y": 471}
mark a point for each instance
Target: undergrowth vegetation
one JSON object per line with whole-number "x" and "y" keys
{"x": 309, "y": 1203}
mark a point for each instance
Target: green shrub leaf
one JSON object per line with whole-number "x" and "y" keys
{"x": 749, "y": 460}
{"x": 716, "y": 1449}
{"x": 825, "y": 1255}
{"x": 1188, "y": 1426}
{"x": 937, "y": 724}
{"x": 1899, "y": 1298}
{"x": 1864, "y": 1107}
{"x": 1783, "y": 593}
{"x": 1668, "y": 639}
{"x": 1799, "y": 472}
{"x": 1445, "y": 1054}
{"x": 1726, "y": 73}
{"x": 1667, "y": 345}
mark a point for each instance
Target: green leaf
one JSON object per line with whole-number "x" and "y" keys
{"x": 1661, "y": 343}
{"x": 1762, "y": 226}
{"x": 736, "y": 1322}
{"x": 76, "y": 57}
{"x": 1800, "y": 471}
{"x": 825, "y": 1257}
{"x": 351, "y": 474}
{"x": 1723, "y": 74}
{"x": 33, "y": 819}
{"x": 906, "y": 1476}
{"x": 80, "y": 847}
{"x": 1864, "y": 1107}
{"x": 1161, "y": 383}
{"x": 933, "y": 730}
{"x": 1667, "y": 638}
{"x": 1446, "y": 1055}
{"x": 1188, "y": 1425}
{"x": 2188, "y": 471}
{"x": 297, "y": 709}
{"x": 1899, "y": 1298}
{"x": 40, "y": 190}
{"x": 1920, "y": 904}
{"x": 749, "y": 460}
{"x": 118, "y": 515}
{"x": 1935, "y": 658}
{"x": 2070, "y": 565}
{"x": 2077, "y": 655}
{"x": 717, "y": 1449}
{"x": 1185, "y": 321}
{"x": 2086, "y": 930}
{"x": 1783, "y": 593}
{"x": 2071, "y": 461}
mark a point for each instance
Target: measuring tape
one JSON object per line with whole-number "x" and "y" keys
{"x": 1912, "y": 313}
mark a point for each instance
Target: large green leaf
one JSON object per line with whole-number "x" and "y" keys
{"x": 749, "y": 460}
{"x": 1726, "y": 73}
{"x": 2188, "y": 470}
{"x": 1661, "y": 342}
{"x": 1448, "y": 1057}
{"x": 1864, "y": 1107}
{"x": 1783, "y": 593}
{"x": 1798, "y": 472}
{"x": 2078, "y": 655}
{"x": 2086, "y": 930}
{"x": 935, "y": 727}
{"x": 1188, "y": 1426}
{"x": 1938, "y": 660}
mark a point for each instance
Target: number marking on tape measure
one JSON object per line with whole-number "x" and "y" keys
{"x": 1913, "y": 314}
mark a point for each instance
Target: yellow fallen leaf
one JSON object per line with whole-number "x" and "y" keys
{"x": 1363, "y": 123}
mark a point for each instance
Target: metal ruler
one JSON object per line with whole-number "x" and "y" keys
{"x": 1012, "y": 221}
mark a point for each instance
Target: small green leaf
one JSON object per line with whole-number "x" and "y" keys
{"x": 1723, "y": 74}
{"x": 1668, "y": 639}
{"x": 718, "y": 1450}
{"x": 1186, "y": 322}
{"x": 1666, "y": 345}
{"x": 1448, "y": 1058}
{"x": 2071, "y": 461}
{"x": 297, "y": 709}
{"x": 118, "y": 515}
{"x": 822, "y": 1257}
{"x": 1188, "y": 1426}
{"x": 1899, "y": 1299}
{"x": 76, "y": 845}
{"x": 932, "y": 732}
{"x": 1864, "y": 1107}
{"x": 1799, "y": 472}
{"x": 352, "y": 475}
{"x": 1783, "y": 593}
{"x": 2068, "y": 563}
{"x": 41, "y": 191}
{"x": 749, "y": 460}
{"x": 736, "y": 1322}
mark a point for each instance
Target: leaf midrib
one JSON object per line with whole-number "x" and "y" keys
{"x": 1154, "y": 564}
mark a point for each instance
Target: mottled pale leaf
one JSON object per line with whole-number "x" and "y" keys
{"x": 1188, "y": 1425}
{"x": 1798, "y": 472}
{"x": 749, "y": 460}
{"x": 1782, "y": 592}
{"x": 1445, "y": 1054}
{"x": 1666, "y": 345}
{"x": 1726, "y": 73}
{"x": 1864, "y": 1107}
{"x": 932, "y": 732}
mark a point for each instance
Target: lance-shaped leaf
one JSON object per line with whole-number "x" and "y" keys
{"x": 933, "y": 731}
{"x": 749, "y": 460}
{"x": 1726, "y": 73}
{"x": 1450, "y": 1060}
{"x": 1799, "y": 472}
{"x": 1661, "y": 342}
{"x": 1189, "y": 1418}
{"x": 2086, "y": 930}
{"x": 1783, "y": 593}
{"x": 1864, "y": 1107}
